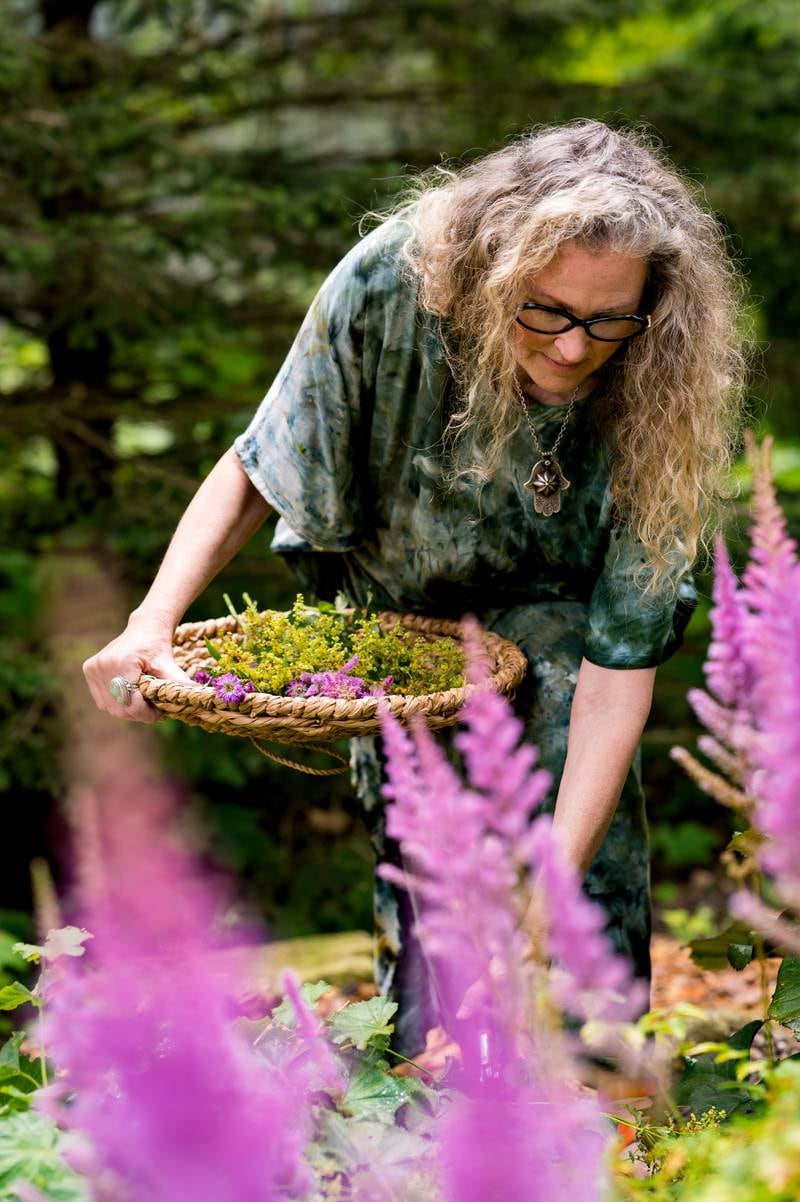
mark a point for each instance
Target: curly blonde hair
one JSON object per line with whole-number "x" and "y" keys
{"x": 670, "y": 412}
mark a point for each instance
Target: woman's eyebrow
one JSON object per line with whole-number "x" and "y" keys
{"x": 625, "y": 307}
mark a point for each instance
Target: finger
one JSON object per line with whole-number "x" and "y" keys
{"x": 102, "y": 697}
{"x": 137, "y": 709}
{"x": 166, "y": 668}
{"x": 142, "y": 710}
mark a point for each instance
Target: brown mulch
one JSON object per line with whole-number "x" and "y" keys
{"x": 676, "y": 978}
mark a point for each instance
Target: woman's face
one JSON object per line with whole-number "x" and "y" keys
{"x": 589, "y": 284}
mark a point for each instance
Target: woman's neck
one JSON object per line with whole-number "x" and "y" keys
{"x": 532, "y": 392}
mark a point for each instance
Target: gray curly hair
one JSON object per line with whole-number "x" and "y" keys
{"x": 670, "y": 411}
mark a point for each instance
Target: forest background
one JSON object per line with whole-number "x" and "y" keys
{"x": 176, "y": 180}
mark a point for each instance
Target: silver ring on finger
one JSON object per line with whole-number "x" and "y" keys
{"x": 121, "y": 689}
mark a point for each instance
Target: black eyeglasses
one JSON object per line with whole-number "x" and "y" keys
{"x": 557, "y": 321}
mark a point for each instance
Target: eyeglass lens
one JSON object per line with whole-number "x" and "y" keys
{"x": 606, "y": 329}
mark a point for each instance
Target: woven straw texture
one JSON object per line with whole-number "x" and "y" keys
{"x": 304, "y": 720}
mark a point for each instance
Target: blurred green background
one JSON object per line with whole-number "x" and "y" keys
{"x": 176, "y": 179}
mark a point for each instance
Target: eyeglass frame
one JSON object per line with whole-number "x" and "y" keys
{"x": 643, "y": 319}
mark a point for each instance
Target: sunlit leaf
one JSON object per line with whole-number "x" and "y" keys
{"x": 364, "y": 1024}
{"x": 785, "y": 1004}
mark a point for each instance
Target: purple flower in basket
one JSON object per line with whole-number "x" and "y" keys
{"x": 230, "y": 689}
{"x": 201, "y": 677}
{"x": 338, "y": 684}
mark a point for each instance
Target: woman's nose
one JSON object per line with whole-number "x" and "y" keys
{"x": 572, "y": 345}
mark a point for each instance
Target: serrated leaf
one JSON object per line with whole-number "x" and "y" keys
{"x": 14, "y": 1100}
{"x": 373, "y": 1095}
{"x": 284, "y": 1014}
{"x": 344, "y": 1145}
{"x": 14, "y": 995}
{"x": 713, "y": 953}
{"x": 30, "y": 1151}
{"x": 785, "y": 1004}
{"x": 9, "y": 1053}
{"x": 364, "y": 1024}
{"x": 19, "y": 1075}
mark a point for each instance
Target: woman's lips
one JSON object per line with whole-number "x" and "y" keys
{"x": 559, "y": 366}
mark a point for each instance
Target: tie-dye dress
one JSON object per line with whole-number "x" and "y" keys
{"x": 347, "y": 448}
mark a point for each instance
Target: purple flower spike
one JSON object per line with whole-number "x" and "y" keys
{"x": 230, "y": 689}
{"x": 201, "y": 677}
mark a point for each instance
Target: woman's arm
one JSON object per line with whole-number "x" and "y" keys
{"x": 609, "y": 711}
{"x": 224, "y": 512}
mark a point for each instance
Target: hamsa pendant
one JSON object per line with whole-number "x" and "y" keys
{"x": 547, "y": 482}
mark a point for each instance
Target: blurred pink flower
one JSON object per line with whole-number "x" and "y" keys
{"x": 753, "y": 670}
{"x": 514, "y": 1129}
{"x": 174, "y": 1103}
{"x": 726, "y": 669}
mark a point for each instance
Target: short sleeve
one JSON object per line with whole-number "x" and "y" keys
{"x": 626, "y": 628}
{"x": 300, "y": 449}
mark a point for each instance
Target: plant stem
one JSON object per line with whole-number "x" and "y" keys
{"x": 769, "y": 1042}
{"x": 406, "y": 1059}
{"x": 42, "y": 1053}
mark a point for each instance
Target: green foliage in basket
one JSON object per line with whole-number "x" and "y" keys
{"x": 277, "y": 648}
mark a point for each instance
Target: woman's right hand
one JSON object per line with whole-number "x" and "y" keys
{"x": 143, "y": 647}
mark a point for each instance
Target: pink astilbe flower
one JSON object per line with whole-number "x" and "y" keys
{"x": 753, "y": 669}
{"x": 314, "y": 1051}
{"x": 773, "y": 554}
{"x": 516, "y": 1129}
{"x": 590, "y": 980}
{"x": 726, "y": 669}
{"x": 772, "y": 594}
{"x": 521, "y": 1143}
{"x": 776, "y": 755}
{"x": 174, "y": 1104}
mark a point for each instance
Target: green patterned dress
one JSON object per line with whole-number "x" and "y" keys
{"x": 347, "y": 448}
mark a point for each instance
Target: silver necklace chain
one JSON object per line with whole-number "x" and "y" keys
{"x": 539, "y": 448}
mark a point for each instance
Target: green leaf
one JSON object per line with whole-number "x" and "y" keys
{"x": 714, "y": 953}
{"x": 785, "y": 1004}
{"x": 740, "y": 955}
{"x": 364, "y": 1024}
{"x": 9, "y": 1053}
{"x": 9, "y": 958}
{"x": 230, "y": 606}
{"x": 30, "y": 1151}
{"x": 14, "y": 995}
{"x": 31, "y": 952}
{"x": 375, "y": 1095}
{"x": 284, "y": 1014}
{"x": 211, "y": 649}
{"x": 706, "y": 1083}
{"x": 344, "y": 1145}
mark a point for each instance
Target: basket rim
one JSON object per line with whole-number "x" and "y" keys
{"x": 180, "y": 699}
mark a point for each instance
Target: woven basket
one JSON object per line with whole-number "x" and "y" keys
{"x": 313, "y": 721}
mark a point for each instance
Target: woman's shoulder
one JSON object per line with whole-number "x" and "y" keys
{"x": 375, "y": 267}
